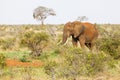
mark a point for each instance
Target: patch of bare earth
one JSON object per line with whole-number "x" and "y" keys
{"x": 17, "y": 63}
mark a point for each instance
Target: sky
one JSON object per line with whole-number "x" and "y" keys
{"x": 97, "y": 11}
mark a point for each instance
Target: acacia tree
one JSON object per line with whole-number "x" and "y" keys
{"x": 41, "y": 13}
{"x": 82, "y": 18}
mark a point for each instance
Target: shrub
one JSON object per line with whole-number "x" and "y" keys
{"x": 7, "y": 43}
{"x": 75, "y": 62}
{"x": 36, "y": 42}
{"x": 50, "y": 69}
{"x": 24, "y": 59}
{"x": 2, "y": 60}
{"x": 109, "y": 46}
{"x": 78, "y": 62}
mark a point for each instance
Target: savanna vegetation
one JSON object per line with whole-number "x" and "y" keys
{"x": 32, "y": 52}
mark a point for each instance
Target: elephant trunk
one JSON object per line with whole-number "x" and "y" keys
{"x": 64, "y": 38}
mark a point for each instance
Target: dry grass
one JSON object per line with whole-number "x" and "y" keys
{"x": 37, "y": 73}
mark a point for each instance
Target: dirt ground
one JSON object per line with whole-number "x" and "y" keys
{"x": 17, "y": 63}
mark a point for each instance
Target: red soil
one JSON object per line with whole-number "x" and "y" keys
{"x": 16, "y": 63}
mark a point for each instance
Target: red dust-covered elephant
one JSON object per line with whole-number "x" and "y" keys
{"x": 84, "y": 33}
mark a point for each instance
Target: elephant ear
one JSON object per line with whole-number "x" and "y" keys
{"x": 78, "y": 30}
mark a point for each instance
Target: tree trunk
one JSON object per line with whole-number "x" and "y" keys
{"x": 42, "y": 23}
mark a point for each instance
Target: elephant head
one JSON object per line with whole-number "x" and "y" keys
{"x": 74, "y": 29}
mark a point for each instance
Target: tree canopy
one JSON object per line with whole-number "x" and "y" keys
{"x": 41, "y": 13}
{"x": 82, "y": 18}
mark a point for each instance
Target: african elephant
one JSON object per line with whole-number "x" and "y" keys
{"x": 84, "y": 33}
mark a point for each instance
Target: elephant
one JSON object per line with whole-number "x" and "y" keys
{"x": 84, "y": 33}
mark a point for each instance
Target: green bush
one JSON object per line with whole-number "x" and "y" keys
{"x": 7, "y": 43}
{"x": 2, "y": 60}
{"x": 24, "y": 59}
{"x": 80, "y": 63}
{"x": 109, "y": 46}
{"x": 112, "y": 63}
{"x": 50, "y": 69}
{"x": 76, "y": 62}
{"x": 36, "y": 42}
{"x": 48, "y": 55}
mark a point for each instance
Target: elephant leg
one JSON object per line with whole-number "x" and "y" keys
{"x": 82, "y": 41}
{"x": 74, "y": 42}
{"x": 88, "y": 45}
{"x": 92, "y": 45}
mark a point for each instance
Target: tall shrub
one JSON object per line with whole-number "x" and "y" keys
{"x": 36, "y": 42}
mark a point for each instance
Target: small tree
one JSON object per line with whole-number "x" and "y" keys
{"x": 36, "y": 42}
{"x": 82, "y": 18}
{"x": 41, "y": 13}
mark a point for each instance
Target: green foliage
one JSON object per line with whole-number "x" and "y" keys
{"x": 49, "y": 55}
{"x": 62, "y": 62}
{"x": 50, "y": 69}
{"x": 78, "y": 62}
{"x": 2, "y": 60}
{"x": 109, "y": 46}
{"x": 55, "y": 52}
{"x": 24, "y": 59}
{"x": 7, "y": 43}
{"x": 94, "y": 63}
{"x": 44, "y": 56}
{"x": 112, "y": 63}
{"x": 16, "y": 54}
{"x": 35, "y": 42}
